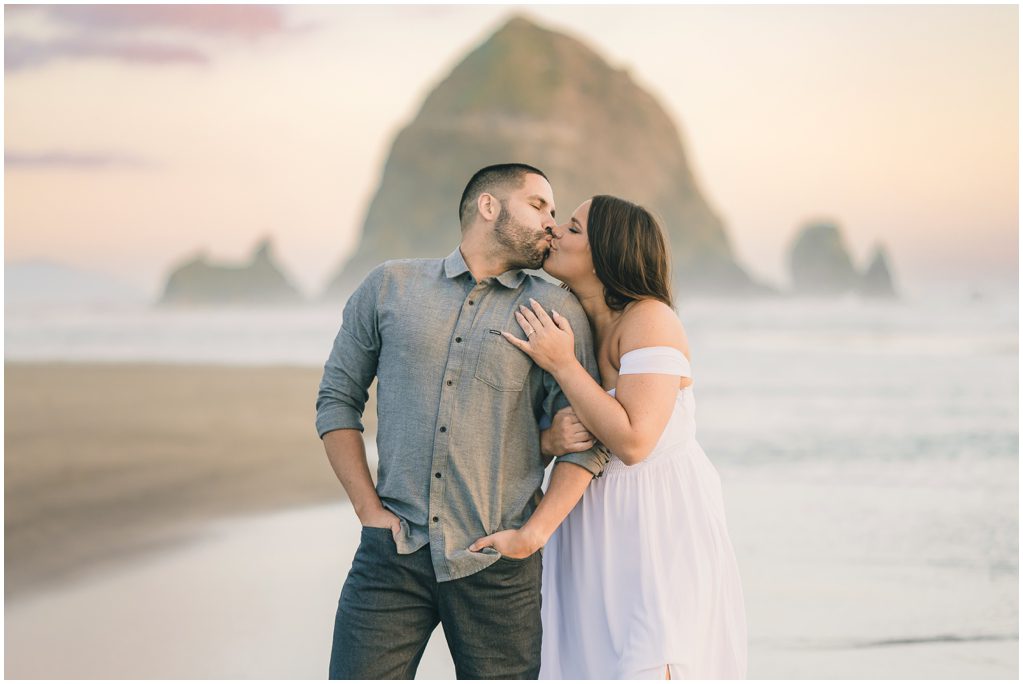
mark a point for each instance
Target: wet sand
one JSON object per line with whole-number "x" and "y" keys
{"x": 106, "y": 462}
{"x": 254, "y": 598}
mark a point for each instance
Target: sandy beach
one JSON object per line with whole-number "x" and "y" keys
{"x": 182, "y": 521}
{"x": 254, "y": 598}
{"x": 104, "y": 462}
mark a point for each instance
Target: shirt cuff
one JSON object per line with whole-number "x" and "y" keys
{"x": 592, "y": 460}
{"x": 338, "y": 418}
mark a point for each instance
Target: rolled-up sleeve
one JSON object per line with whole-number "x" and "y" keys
{"x": 352, "y": 364}
{"x": 597, "y": 457}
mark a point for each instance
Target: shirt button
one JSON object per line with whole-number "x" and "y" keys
{"x": 443, "y": 429}
{"x": 437, "y": 475}
{"x": 470, "y": 302}
{"x": 458, "y": 339}
{"x": 436, "y": 519}
{"x": 449, "y": 383}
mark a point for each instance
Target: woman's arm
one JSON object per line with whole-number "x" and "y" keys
{"x": 630, "y": 423}
{"x": 568, "y": 482}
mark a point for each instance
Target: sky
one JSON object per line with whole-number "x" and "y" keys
{"x": 139, "y": 136}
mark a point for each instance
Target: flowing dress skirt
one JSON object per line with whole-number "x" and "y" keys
{"x": 642, "y": 575}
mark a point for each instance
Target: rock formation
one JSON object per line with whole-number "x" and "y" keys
{"x": 537, "y": 96}
{"x": 258, "y": 283}
{"x": 820, "y": 263}
{"x": 876, "y": 281}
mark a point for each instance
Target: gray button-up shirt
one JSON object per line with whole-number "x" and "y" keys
{"x": 457, "y": 405}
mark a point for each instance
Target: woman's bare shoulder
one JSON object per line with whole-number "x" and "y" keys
{"x": 651, "y": 323}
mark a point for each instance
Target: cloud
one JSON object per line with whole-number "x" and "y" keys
{"x": 124, "y": 32}
{"x": 72, "y": 160}
{"x": 22, "y": 53}
{"x": 249, "y": 21}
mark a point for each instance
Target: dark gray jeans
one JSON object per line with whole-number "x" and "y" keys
{"x": 391, "y": 603}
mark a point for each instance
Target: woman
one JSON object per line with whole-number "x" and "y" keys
{"x": 640, "y": 580}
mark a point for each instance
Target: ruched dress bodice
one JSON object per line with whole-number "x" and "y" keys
{"x": 681, "y": 427}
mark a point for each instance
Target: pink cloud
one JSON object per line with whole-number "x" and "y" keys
{"x": 71, "y": 160}
{"x": 21, "y": 53}
{"x": 250, "y": 21}
{"x": 105, "y": 31}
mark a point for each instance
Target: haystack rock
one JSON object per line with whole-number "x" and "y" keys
{"x": 258, "y": 283}
{"x": 876, "y": 281}
{"x": 538, "y": 96}
{"x": 820, "y": 263}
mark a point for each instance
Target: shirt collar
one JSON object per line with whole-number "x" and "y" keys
{"x": 454, "y": 266}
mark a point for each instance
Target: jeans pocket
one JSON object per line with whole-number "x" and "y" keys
{"x": 515, "y": 561}
{"x": 377, "y": 536}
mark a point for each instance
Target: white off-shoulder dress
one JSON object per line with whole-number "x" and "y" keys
{"x": 641, "y": 574}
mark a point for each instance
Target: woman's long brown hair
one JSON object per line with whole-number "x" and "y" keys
{"x": 630, "y": 252}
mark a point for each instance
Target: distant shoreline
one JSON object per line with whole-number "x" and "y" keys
{"x": 109, "y": 460}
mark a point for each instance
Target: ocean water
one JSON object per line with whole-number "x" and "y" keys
{"x": 868, "y": 451}
{"x": 880, "y": 443}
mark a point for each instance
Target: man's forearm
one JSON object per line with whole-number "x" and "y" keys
{"x": 347, "y": 455}
{"x": 568, "y": 482}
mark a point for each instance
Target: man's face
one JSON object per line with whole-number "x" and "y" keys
{"x": 524, "y": 226}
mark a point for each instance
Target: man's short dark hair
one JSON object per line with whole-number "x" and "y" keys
{"x": 489, "y": 179}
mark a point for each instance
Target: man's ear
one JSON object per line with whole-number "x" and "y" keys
{"x": 488, "y": 206}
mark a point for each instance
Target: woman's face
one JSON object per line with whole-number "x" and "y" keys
{"x": 570, "y": 260}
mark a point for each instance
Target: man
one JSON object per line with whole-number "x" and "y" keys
{"x": 458, "y": 443}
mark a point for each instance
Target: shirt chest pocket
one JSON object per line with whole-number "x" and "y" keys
{"x": 501, "y": 365}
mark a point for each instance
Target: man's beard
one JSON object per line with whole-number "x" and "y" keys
{"x": 523, "y": 248}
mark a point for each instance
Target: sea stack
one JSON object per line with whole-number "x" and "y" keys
{"x": 198, "y": 282}
{"x": 820, "y": 263}
{"x": 876, "y": 281}
{"x": 538, "y": 96}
